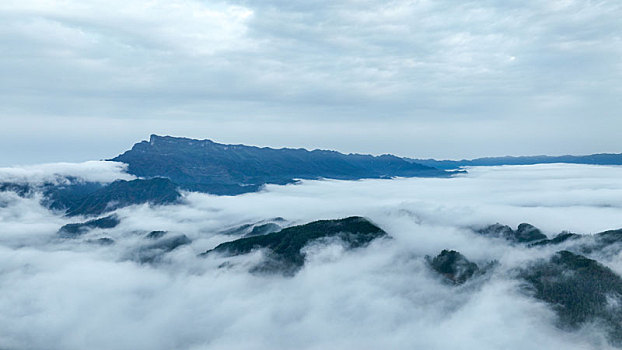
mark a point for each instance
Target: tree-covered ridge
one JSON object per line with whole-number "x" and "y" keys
{"x": 119, "y": 194}
{"x": 77, "y": 229}
{"x": 454, "y": 266}
{"x": 93, "y": 198}
{"x": 285, "y": 246}
{"x": 207, "y": 166}
{"x": 580, "y": 290}
{"x": 525, "y": 233}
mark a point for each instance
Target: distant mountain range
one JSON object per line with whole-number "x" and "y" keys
{"x": 165, "y": 165}
{"x": 595, "y": 159}
{"x": 207, "y": 166}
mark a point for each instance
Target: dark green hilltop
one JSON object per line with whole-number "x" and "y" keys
{"x": 453, "y": 266}
{"x": 284, "y": 248}
{"x": 576, "y": 286}
{"x": 580, "y": 290}
{"x": 525, "y": 233}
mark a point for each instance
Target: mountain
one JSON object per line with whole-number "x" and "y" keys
{"x": 525, "y": 233}
{"x": 207, "y": 166}
{"x": 284, "y": 248}
{"x": 93, "y": 198}
{"x": 594, "y": 159}
{"x": 76, "y": 200}
{"x": 607, "y": 242}
{"x": 580, "y": 290}
{"x": 254, "y": 229}
{"x": 166, "y": 164}
{"x": 454, "y": 266}
{"x": 77, "y": 229}
{"x": 154, "y": 252}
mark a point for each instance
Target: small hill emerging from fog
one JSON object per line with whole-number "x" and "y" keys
{"x": 453, "y": 265}
{"x": 207, "y": 166}
{"x": 77, "y": 229}
{"x": 284, "y": 248}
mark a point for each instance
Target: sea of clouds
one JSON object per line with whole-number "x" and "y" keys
{"x": 76, "y": 294}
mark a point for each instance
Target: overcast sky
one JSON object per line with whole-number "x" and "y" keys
{"x": 85, "y": 80}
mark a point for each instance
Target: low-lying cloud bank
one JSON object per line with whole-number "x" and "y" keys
{"x": 81, "y": 293}
{"x": 91, "y": 171}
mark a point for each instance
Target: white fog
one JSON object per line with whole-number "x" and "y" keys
{"x": 60, "y": 293}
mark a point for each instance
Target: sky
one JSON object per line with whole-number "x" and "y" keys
{"x": 75, "y": 294}
{"x": 84, "y": 80}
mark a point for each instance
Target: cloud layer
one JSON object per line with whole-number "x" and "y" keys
{"x": 75, "y": 294}
{"x": 417, "y": 78}
{"x": 91, "y": 171}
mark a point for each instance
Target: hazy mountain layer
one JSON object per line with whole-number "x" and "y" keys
{"x": 594, "y": 159}
{"x": 94, "y": 198}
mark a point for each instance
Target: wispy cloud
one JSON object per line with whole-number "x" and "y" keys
{"x": 91, "y": 171}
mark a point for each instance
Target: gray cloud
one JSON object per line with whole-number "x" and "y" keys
{"x": 71, "y": 294}
{"x": 480, "y": 73}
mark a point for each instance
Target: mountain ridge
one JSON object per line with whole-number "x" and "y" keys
{"x": 207, "y": 166}
{"x": 590, "y": 159}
